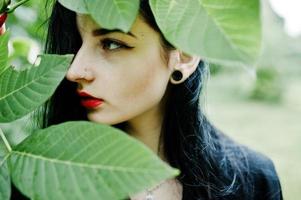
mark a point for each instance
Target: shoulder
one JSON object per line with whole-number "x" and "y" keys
{"x": 256, "y": 167}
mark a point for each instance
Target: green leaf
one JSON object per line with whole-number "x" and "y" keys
{"x": 222, "y": 31}
{"x": 23, "y": 91}
{"x": 21, "y": 46}
{"x": 3, "y": 52}
{"x": 111, "y": 14}
{"x": 77, "y": 6}
{"x": 84, "y": 160}
{"x": 3, "y": 148}
{"x": 5, "y": 184}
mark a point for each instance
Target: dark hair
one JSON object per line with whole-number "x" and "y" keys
{"x": 209, "y": 169}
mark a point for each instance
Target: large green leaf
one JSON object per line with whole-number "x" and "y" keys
{"x": 110, "y": 14}
{"x": 84, "y": 160}
{"x": 3, "y": 52}
{"x": 5, "y": 185}
{"x": 77, "y": 6}
{"x": 23, "y": 91}
{"x": 4, "y": 151}
{"x": 225, "y": 32}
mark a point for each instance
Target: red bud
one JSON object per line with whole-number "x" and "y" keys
{"x": 3, "y": 17}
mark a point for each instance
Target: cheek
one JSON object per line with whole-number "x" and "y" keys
{"x": 144, "y": 83}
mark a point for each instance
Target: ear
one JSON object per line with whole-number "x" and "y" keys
{"x": 183, "y": 62}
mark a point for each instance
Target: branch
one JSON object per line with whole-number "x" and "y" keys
{"x": 16, "y": 5}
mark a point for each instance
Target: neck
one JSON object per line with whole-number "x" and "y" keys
{"x": 147, "y": 129}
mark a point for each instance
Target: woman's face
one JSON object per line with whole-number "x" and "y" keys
{"x": 127, "y": 71}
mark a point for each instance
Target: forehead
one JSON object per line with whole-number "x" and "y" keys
{"x": 139, "y": 28}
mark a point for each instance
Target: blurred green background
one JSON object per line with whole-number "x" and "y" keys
{"x": 259, "y": 107}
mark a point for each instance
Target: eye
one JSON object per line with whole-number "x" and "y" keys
{"x": 112, "y": 45}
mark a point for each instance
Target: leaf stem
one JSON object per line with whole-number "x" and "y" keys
{"x": 5, "y": 141}
{"x": 16, "y": 5}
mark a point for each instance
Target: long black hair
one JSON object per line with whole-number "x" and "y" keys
{"x": 209, "y": 168}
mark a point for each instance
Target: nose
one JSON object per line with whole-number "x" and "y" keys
{"x": 79, "y": 69}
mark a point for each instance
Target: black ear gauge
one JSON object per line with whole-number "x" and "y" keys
{"x": 177, "y": 75}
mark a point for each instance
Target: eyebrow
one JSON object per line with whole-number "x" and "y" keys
{"x": 103, "y": 31}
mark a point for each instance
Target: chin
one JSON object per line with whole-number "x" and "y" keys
{"x": 108, "y": 120}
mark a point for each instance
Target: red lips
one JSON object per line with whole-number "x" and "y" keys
{"x": 89, "y": 101}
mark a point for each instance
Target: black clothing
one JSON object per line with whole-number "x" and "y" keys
{"x": 261, "y": 171}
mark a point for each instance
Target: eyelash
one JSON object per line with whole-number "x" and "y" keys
{"x": 106, "y": 42}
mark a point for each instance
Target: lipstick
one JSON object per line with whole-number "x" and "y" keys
{"x": 89, "y": 101}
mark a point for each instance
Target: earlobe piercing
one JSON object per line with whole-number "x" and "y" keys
{"x": 177, "y": 75}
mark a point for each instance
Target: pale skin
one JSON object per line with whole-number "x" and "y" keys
{"x": 132, "y": 81}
